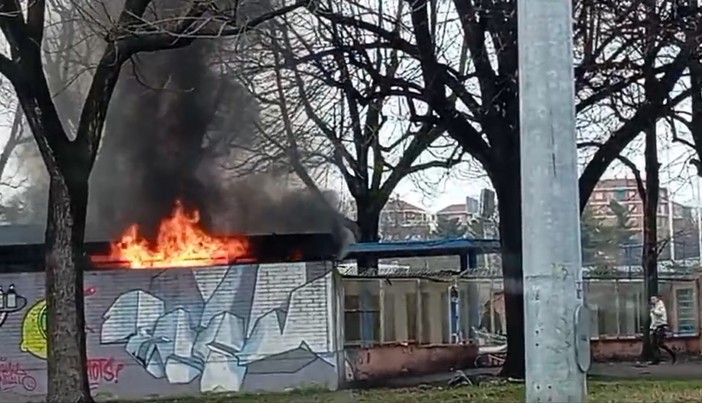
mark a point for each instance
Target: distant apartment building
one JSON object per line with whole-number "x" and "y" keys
{"x": 624, "y": 192}
{"x": 462, "y": 212}
{"x": 402, "y": 221}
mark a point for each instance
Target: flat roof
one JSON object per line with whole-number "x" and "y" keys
{"x": 441, "y": 247}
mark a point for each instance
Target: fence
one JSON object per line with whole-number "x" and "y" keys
{"x": 418, "y": 310}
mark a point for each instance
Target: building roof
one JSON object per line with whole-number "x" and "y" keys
{"x": 423, "y": 248}
{"x": 614, "y": 183}
{"x": 403, "y": 274}
{"x": 453, "y": 209}
{"x": 401, "y": 205}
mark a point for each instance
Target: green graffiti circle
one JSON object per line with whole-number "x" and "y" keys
{"x": 42, "y": 321}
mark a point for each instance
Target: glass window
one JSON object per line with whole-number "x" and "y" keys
{"x": 685, "y": 311}
{"x": 630, "y": 299}
{"x": 603, "y": 308}
{"x": 362, "y": 313}
{"x": 620, "y": 194}
{"x": 352, "y": 319}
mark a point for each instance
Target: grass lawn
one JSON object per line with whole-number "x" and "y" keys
{"x": 599, "y": 391}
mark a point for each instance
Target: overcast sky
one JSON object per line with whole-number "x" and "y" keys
{"x": 452, "y": 190}
{"x": 436, "y": 190}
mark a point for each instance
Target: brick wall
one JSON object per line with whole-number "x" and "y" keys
{"x": 181, "y": 331}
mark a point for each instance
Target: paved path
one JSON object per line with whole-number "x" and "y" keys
{"x": 683, "y": 370}
{"x": 621, "y": 370}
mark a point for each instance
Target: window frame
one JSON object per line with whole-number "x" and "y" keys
{"x": 695, "y": 315}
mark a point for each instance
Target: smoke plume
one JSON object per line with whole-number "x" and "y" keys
{"x": 173, "y": 123}
{"x": 176, "y": 121}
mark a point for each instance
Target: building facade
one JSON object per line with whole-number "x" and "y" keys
{"x": 175, "y": 332}
{"x": 463, "y": 213}
{"x": 403, "y": 221}
{"x": 624, "y": 192}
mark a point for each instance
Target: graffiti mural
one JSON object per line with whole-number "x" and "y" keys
{"x": 234, "y": 322}
{"x": 34, "y": 327}
{"x": 186, "y": 331}
{"x": 10, "y": 302}
{"x": 14, "y": 375}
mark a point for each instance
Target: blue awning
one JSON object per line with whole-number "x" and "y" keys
{"x": 461, "y": 246}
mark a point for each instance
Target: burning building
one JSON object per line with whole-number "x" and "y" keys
{"x": 178, "y": 301}
{"x": 185, "y": 313}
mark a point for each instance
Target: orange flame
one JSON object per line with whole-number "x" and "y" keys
{"x": 180, "y": 243}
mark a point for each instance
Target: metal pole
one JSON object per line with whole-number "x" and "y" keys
{"x": 556, "y": 336}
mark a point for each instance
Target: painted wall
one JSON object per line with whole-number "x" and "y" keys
{"x": 181, "y": 331}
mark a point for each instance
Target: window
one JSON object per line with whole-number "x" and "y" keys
{"x": 412, "y": 316}
{"x": 426, "y": 318}
{"x": 618, "y": 307}
{"x": 630, "y": 297}
{"x": 445, "y": 325}
{"x": 685, "y": 311}
{"x": 620, "y": 194}
{"x": 615, "y": 307}
{"x": 361, "y": 318}
{"x": 352, "y": 319}
{"x": 603, "y": 307}
{"x": 389, "y": 317}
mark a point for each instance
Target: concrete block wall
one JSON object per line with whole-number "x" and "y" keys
{"x": 181, "y": 332}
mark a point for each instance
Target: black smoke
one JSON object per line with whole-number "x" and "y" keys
{"x": 174, "y": 121}
{"x": 176, "y": 118}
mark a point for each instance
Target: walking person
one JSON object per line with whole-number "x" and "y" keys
{"x": 658, "y": 330}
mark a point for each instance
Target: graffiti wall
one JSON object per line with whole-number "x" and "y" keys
{"x": 181, "y": 331}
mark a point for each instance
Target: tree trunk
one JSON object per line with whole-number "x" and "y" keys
{"x": 650, "y": 244}
{"x": 368, "y": 219}
{"x": 510, "y": 213}
{"x": 650, "y": 247}
{"x": 65, "y": 261}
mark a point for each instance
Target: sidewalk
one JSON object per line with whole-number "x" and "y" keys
{"x": 618, "y": 370}
{"x": 630, "y": 370}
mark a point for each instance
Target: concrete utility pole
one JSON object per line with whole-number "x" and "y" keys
{"x": 556, "y": 334}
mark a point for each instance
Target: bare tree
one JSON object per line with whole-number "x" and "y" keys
{"x": 327, "y": 119}
{"x": 69, "y": 158}
{"x": 12, "y": 208}
{"x": 472, "y": 57}
{"x": 17, "y": 137}
{"x": 689, "y": 13}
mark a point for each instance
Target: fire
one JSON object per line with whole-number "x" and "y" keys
{"x": 180, "y": 243}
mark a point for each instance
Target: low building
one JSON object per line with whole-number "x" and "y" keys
{"x": 180, "y": 331}
{"x": 463, "y": 213}
{"x": 416, "y": 309}
{"x": 403, "y": 221}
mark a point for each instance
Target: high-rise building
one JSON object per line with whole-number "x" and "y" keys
{"x": 624, "y": 192}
